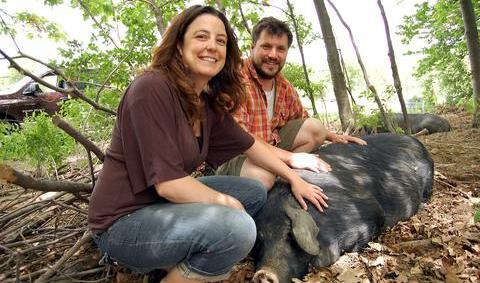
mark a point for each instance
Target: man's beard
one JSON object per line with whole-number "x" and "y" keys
{"x": 262, "y": 74}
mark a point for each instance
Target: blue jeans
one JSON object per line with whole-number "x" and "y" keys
{"x": 204, "y": 241}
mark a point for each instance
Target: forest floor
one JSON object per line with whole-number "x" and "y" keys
{"x": 441, "y": 243}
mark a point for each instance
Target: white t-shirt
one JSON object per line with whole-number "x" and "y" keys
{"x": 270, "y": 101}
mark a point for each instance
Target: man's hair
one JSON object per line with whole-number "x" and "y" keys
{"x": 272, "y": 26}
{"x": 224, "y": 89}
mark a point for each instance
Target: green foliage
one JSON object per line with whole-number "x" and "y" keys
{"x": 38, "y": 142}
{"x": 476, "y": 217}
{"x": 251, "y": 12}
{"x": 294, "y": 73}
{"x": 29, "y": 24}
{"x": 445, "y": 56}
{"x": 429, "y": 97}
{"x": 467, "y": 104}
{"x": 371, "y": 120}
{"x": 355, "y": 77}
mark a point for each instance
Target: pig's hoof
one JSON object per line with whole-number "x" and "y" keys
{"x": 263, "y": 276}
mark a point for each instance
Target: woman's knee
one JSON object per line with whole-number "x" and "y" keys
{"x": 257, "y": 195}
{"x": 231, "y": 237}
{"x": 242, "y": 229}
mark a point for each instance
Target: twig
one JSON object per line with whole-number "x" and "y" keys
{"x": 7, "y": 28}
{"x": 48, "y": 243}
{"x": 85, "y": 238}
{"x": 105, "y": 33}
{"x": 97, "y": 96}
{"x": 19, "y": 212}
{"x": 82, "y": 273}
{"x": 421, "y": 133}
{"x": 90, "y": 164}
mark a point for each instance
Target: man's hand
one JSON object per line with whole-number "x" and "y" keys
{"x": 302, "y": 190}
{"x": 334, "y": 138}
{"x": 308, "y": 161}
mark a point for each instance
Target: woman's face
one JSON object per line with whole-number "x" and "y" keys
{"x": 204, "y": 48}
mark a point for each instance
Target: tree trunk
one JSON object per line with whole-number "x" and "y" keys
{"x": 471, "y": 35}
{"x": 372, "y": 88}
{"x": 305, "y": 71}
{"x": 338, "y": 79}
{"x": 396, "y": 78}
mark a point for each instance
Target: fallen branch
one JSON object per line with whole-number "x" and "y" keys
{"x": 421, "y": 243}
{"x": 12, "y": 176}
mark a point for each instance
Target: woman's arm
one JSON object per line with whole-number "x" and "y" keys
{"x": 189, "y": 190}
{"x": 299, "y": 160}
{"x": 262, "y": 156}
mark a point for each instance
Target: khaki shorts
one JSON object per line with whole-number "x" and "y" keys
{"x": 288, "y": 133}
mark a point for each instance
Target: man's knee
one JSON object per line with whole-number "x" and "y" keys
{"x": 314, "y": 131}
{"x": 311, "y": 135}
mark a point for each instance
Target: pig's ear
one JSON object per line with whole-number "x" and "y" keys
{"x": 304, "y": 228}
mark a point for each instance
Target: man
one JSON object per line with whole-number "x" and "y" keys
{"x": 273, "y": 111}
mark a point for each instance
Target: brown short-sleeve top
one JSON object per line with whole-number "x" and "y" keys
{"x": 152, "y": 142}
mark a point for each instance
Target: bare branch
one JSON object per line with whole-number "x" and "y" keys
{"x": 90, "y": 164}
{"x": 10, "y": 33}
{"x": 157, "y": 11}
{"x": 90, "y": 146}
{"x": 304, "y": 65}
{"x": 105, "y": 33}
{"x": 12, "y": 176}
{"x": 97, "y": 96}
{"x": 244, "y": 20}
{"x": 370, "y": 86}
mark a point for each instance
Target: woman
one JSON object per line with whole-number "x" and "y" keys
{"x": 146, "y": 212}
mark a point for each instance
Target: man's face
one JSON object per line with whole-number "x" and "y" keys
{"x": 269, "y": 54}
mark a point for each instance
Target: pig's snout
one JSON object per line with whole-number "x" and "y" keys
{"x": 265, "y": 276}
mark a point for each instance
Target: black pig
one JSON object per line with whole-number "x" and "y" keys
{"x": 369, "y": 188}
{"x": 433, "y": 123}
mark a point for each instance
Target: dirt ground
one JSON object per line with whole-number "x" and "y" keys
{"x": 439, "y": 244}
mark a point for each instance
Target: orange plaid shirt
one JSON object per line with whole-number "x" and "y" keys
{"x": 252, "y": 115}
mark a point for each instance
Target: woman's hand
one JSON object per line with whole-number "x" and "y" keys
{"x": 302, "y": 190}
{"x": 226, "y": 200}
